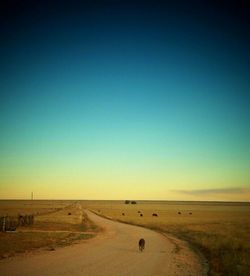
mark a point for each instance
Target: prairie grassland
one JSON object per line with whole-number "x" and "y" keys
{"x": 220, "y": 230}
{"x": 36, "y": 207}
{"x": 56, "y": 223}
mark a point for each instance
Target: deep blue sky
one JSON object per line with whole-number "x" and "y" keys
{"x": 142, "y": 93}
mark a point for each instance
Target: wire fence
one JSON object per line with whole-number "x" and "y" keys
{"x": 10, "y": 223}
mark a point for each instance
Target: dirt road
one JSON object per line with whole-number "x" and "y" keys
{"x": 113, "y": 252}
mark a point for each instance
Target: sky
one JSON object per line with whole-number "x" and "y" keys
{"x": 125, "y": 100}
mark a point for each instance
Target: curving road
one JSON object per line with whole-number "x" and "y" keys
{"x": 113, "y": 252}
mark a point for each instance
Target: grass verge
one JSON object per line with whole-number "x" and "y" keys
{"x": 20, "y": 242}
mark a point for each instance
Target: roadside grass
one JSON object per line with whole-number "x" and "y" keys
{"x": 57, "y": 225}
{"x": 19, "y": 242}
{"x": 219, "y": 230}
{"x": 226, "y": 246}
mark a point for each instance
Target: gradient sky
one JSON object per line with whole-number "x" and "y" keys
{"x": 125, "y": 100}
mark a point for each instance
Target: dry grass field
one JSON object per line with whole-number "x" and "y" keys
{"x": 220, "y": 230}
{"x": 56, "y": 223}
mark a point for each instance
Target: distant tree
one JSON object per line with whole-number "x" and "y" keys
{"x": 127, "y": 201}
{"x": 133, "y": 202}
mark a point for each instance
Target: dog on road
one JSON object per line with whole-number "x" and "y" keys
{"x": 141, "y": 244}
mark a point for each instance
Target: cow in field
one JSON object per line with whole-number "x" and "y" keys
{"x": 154, "y": 215}
{"x": 141, "y": 244}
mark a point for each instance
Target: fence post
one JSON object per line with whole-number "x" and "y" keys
{"x": 4, "y": 221}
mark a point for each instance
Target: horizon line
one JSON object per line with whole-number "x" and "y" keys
{"x": 159, "y": 200}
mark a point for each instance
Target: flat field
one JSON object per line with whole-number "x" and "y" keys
{"x": 221, "y": 231}
{"x": 56, "y": 223}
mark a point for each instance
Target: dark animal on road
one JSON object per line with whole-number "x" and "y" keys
{"x": 154, "y": 215}
{"x": 141, "y": 244}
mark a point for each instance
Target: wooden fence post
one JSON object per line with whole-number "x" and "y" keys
{"x": 4, "y": 221}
